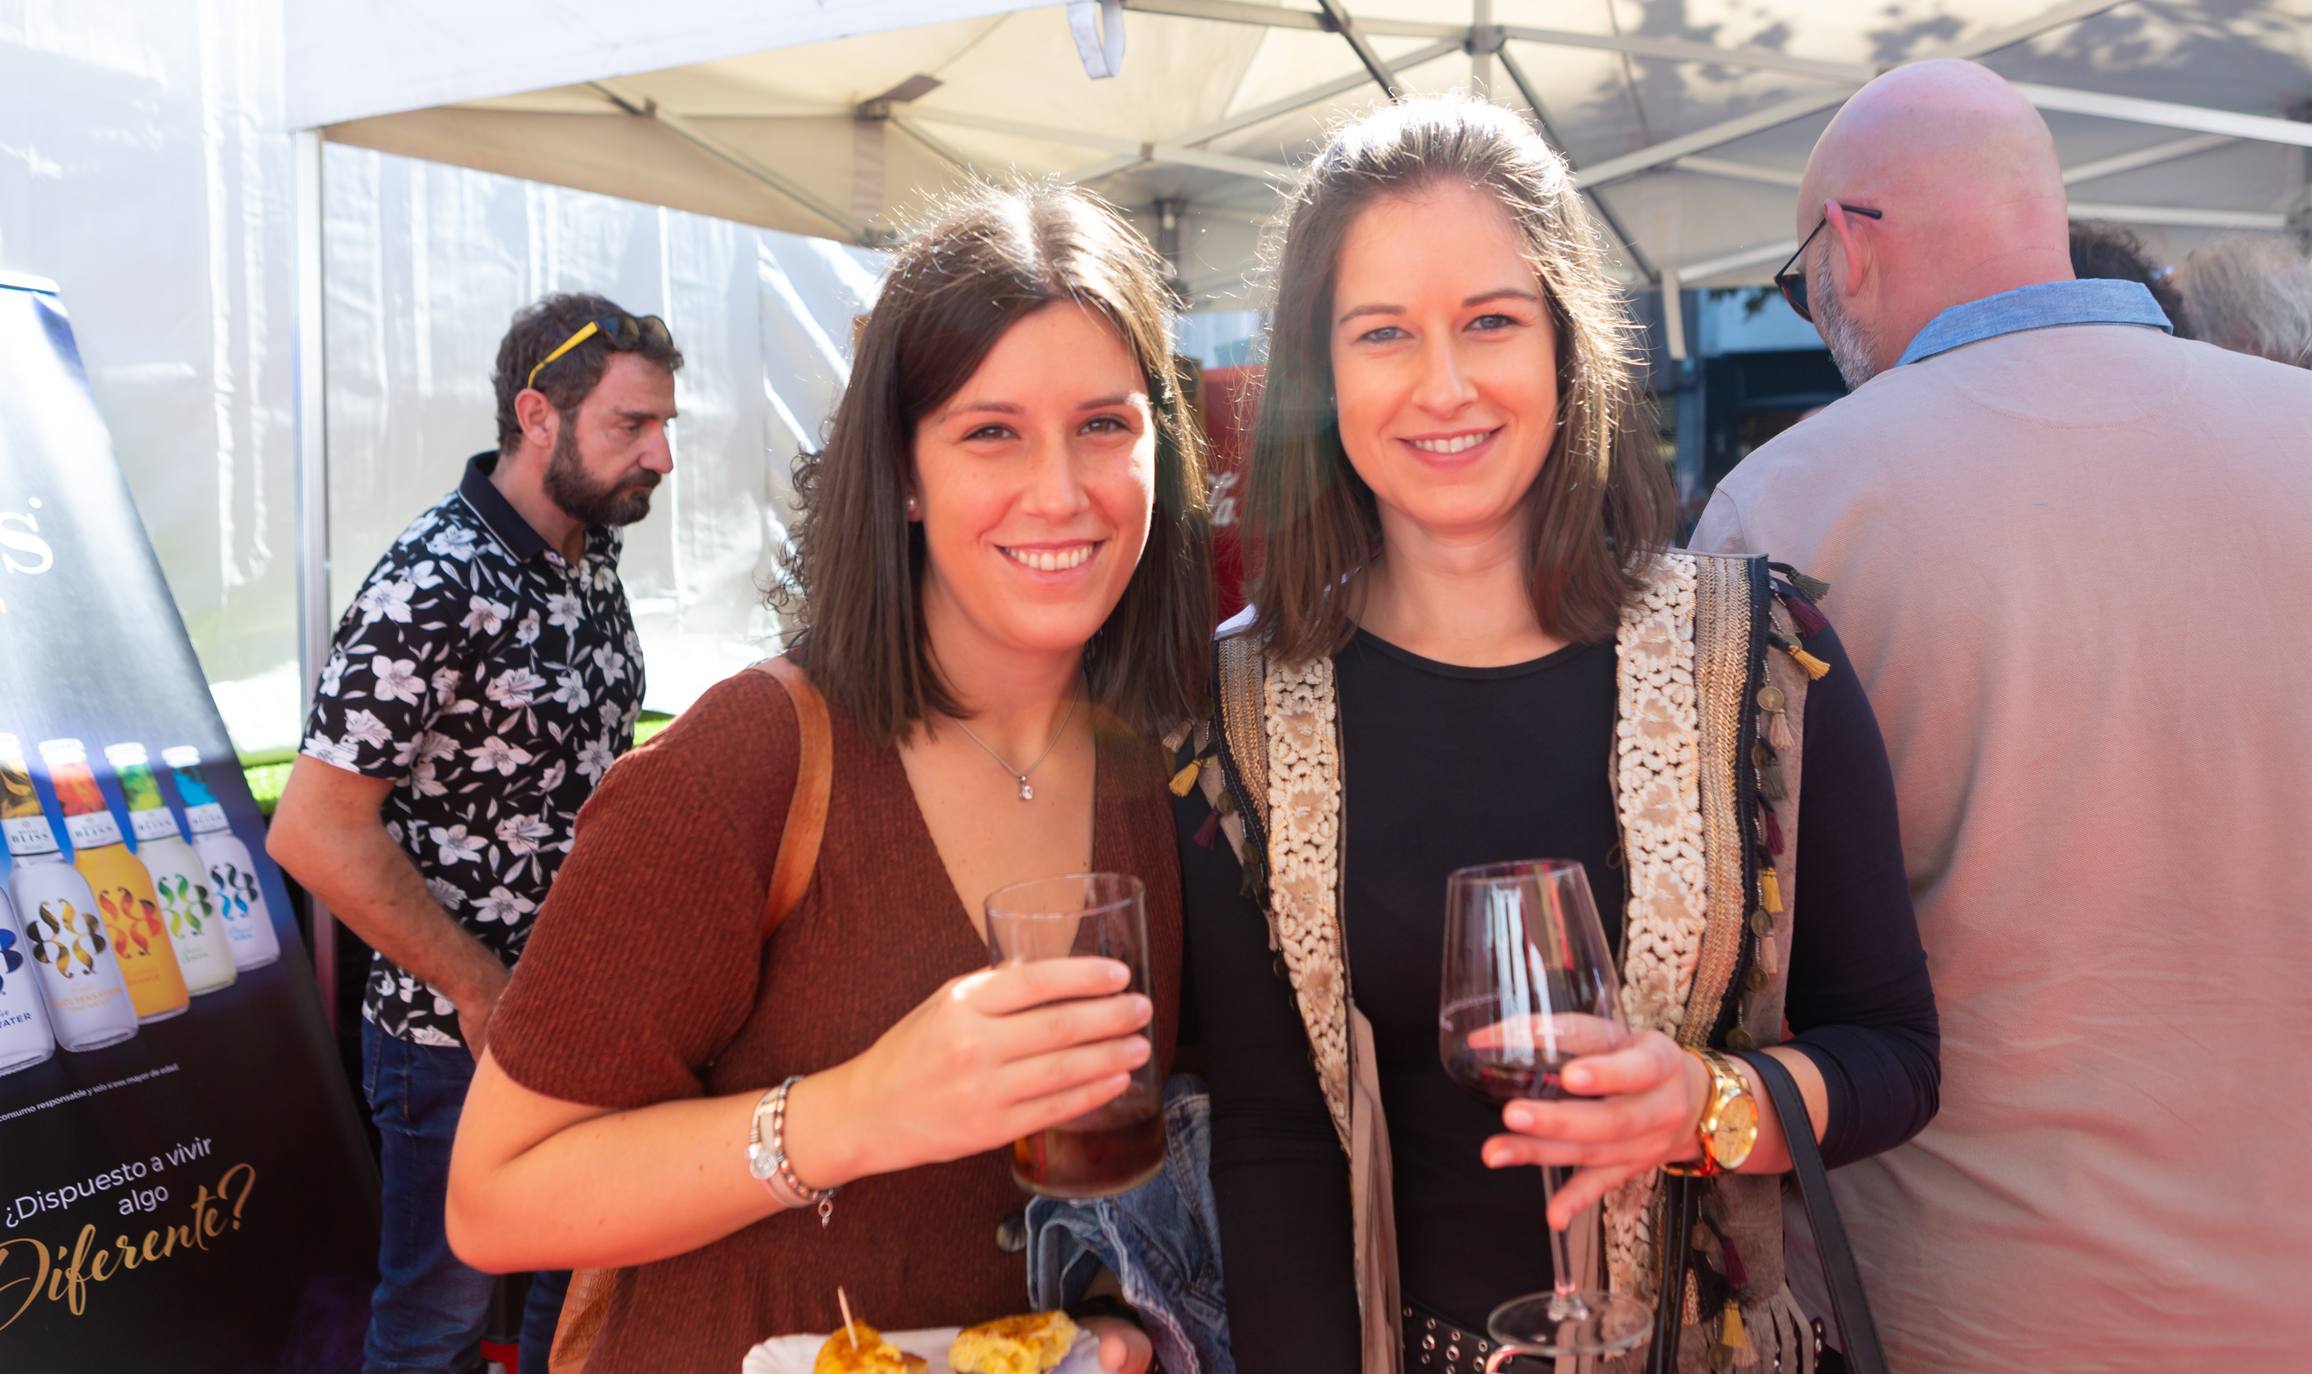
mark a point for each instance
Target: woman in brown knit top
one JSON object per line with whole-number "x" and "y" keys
{"x": 1004, "y": 561}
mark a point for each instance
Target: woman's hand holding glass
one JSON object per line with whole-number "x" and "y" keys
{"x": 1630, "y": 1110}
{"x": 990, "y": 1057}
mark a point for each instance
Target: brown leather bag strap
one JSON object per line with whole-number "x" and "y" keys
{"x": 807, "y": 808}
{"x": 587, "y": 1303}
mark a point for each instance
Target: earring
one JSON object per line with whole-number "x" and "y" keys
{"x": 912, "y": 509}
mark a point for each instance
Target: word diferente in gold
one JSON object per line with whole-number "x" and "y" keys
{"x": 61, "y": 1275}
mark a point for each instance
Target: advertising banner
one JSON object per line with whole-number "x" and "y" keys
{"x": 184, "y": 1184}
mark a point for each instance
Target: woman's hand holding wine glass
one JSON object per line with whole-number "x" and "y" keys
{"x": 1621, "y": 1111}
{"x": 988, "y": 1058}
{"x": 1529, "y": 1011}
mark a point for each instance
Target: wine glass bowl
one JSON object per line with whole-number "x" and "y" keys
{"x": 1529, "y": 986}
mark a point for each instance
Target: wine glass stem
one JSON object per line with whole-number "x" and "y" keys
{"x": 1565, "y": 1302}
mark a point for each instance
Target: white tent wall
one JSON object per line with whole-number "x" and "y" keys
{"x": 144, "y": 170}
{"x": 145, "y": 167}
{"x": 427, "y": 263}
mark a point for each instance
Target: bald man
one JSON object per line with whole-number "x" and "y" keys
{"x": 2071, "y": 557}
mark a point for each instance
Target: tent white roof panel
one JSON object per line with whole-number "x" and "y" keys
{"x": 1690, "y": 121}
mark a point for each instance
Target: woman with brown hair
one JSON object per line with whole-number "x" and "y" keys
{"x": 1005, "y": 580}
{"x": 1462, "y": 600}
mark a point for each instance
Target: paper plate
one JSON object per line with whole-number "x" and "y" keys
{"x": 794, "y": 1354}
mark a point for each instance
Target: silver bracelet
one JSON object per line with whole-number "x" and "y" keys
{"x": 768, "y": 1162}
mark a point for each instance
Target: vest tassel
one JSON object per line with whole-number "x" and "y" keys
{"x": 1773, "y": 831}
{"x": 1812, "y": 588}
{"x": 1769, "y": 890}
{"x": 1206, "y": 832}
{"x": 1778, "y": 730}
{"x": 1815, "y": 667}
{"x": 1810, "y": 621}
{"x": 1185, "y": 779}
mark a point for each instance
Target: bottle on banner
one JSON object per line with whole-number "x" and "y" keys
{"x": 124, "y": 890}
{"x": 180, "y": 879}
{"x": 25, "y": 1037}
{"x": 80, "y": 978}
{"x": 232, "y": 873}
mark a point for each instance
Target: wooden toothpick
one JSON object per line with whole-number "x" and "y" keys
{"x": 845, "y": 1303}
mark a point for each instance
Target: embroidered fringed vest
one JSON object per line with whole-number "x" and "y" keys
{"x": 1712, "y": 674}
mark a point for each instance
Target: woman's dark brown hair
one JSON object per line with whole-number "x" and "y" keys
{"x": 992, "y": 257}
{"x": 1602, "y": 506}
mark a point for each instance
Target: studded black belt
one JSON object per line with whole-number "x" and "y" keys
{"x": 1434, "y": 1345}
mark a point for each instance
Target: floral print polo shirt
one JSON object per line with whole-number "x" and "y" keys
{"x": 493, "y": 683}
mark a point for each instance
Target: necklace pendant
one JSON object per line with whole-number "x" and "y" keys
{"x": 1027, "y": 793}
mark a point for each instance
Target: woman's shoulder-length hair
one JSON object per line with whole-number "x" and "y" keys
{"x": 1602, "y": 506}
{"x": 990, "y": 257}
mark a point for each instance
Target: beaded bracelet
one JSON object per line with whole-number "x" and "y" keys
{"x": 768, "y": 1163}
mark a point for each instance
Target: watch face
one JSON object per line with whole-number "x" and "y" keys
{"x": 1737, "y": 1132}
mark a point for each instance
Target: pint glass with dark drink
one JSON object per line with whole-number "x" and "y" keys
{"x": 1116, "y": 1147}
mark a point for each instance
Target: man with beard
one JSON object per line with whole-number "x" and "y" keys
{"x": 483, "y": 680}
{"x": 2068, "y": 556}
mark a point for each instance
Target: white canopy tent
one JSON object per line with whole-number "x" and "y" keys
{"x": 1690, "y": 121}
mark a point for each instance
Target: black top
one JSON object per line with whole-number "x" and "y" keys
{"x": 1456, "y": 766}
{"x": 493, "y": 683}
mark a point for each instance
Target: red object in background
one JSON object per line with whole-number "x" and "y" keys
{"x": 1229, "y": 402}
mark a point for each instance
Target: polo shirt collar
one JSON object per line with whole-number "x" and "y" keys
{"x": 497, "y": 514}
{"x": 2039, "y": 306}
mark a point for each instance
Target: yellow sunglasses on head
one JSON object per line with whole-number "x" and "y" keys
{"x": 623, "y": 333}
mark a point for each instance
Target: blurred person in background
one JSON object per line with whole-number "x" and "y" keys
{"x": 2111, "y": 253}
{"x": 2251, "y": 295}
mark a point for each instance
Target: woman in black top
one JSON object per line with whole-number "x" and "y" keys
{"x": 1462, "y": 601}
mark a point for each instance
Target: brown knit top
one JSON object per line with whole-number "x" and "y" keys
{"x": 647, "y": 979}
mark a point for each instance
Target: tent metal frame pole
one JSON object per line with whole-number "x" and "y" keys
{"x": 1307, "y": 21}
{"x": 642, "y": 108}
{"x": 1774, "y": 116}
{"x": 1127, "y": 153}
{"x": 1668, "y": 49}
{"x": 937, "y": 146}
{"x": 2162, "y": 216}
{"x": 2143, "y": 157}
{"x": 1338, "y": 13}
{"x": 1302, "y": 99}
{"x": 1484, "y": 42}
{"x": 2167, "y": 114}
{"x": 2152, "y": 216}
{"x": 1692, "y": 272}
{"x": 1105, "y": 167}
{"x": 1740, "y": 171}
{"x": 310, "y": 423}
{"x": 1613, "y": 222}
{"x": 1681, "y": 50}
{"x": 2085, "y": 171}
{"x": 2182, "y": 216}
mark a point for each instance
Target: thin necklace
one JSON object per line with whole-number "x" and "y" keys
{"x": 1027, "y": 793}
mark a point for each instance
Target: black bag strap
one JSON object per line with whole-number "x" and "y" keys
{"x": 1858, "y": 1335}
{"x": 1681, "y": 1205}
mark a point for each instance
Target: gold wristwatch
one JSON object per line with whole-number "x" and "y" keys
{"x": 1728, "y": 1127}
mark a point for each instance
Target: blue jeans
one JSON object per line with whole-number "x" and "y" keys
{"x": 1161, "y": 1241}
{"x": 427, "y": 1313}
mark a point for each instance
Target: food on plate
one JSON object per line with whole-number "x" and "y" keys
{"x": 1013, "y": 1345}
{"x": 861, "y": 1349}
